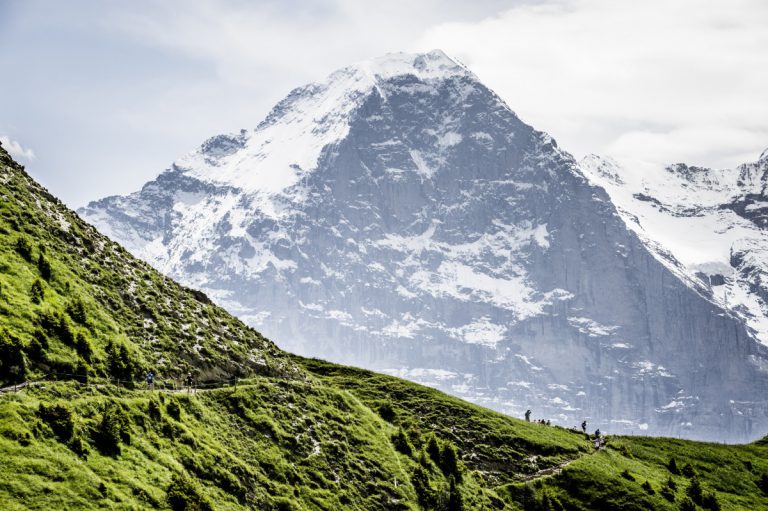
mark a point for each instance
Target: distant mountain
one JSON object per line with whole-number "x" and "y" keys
{"x": 399, "y": 216}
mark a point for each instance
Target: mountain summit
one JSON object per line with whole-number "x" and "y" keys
{"x": 399, "y": 216}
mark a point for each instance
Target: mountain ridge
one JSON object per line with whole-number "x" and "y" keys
{"x": 440, "y": 238}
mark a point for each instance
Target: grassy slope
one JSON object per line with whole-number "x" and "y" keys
{"x": 296, "y": 434}
{"x": 162, "y": 325}
{"x": 497, "y": 446}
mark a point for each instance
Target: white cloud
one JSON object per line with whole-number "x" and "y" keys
{"x": 656, "y": 80}
{"x": 16, "y": 150}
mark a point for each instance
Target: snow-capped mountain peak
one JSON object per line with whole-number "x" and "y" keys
{"x": 287, "y": 145}
{"x": 399, "y": 216}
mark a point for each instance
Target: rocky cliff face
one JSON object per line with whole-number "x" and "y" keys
{"x": 399, "y": 216}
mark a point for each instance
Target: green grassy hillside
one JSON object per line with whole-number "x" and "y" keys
{"x": 83, "y": 321}
{"x": 73, "y": 302}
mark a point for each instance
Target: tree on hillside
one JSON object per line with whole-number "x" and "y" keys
{"x": 44, "y": 266}
{"x": 455, "y": 501}
{"x": 12, "y": 364}
{"x": 37, "y": 292}
{"x": 449, "y": 461}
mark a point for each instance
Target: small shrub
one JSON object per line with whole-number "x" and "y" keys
{"x": 153, "y": 410}
{"x": 44, "y": 267}
{"x": 762, "y": 483}
{"x": 79, "y": 447}
{"x": 710, "y": 502}
{"x": 173, "y": 409}
{"x": 24, "y": 248}
{"x": 449, "y": 461}
{"x": 672, "y": 466}
{"x": 455, "y": 502}
{"x": 423, "y": 489}
{"x": 433, "y": 450}
{"x": 667, "y": 493}
{"x": 76, "y": 310}
{"x": 112, "y": 430}
{"x": 59, "y": 418}
{"x": 120, "y": 363}
{"x": 83, "y": 346}
{"x": 648, "y": 488}
{"x": 671, "y": 484}
{"x": 186, "y": 494}
{"x": 688, "y": 471}
{"x": 401, "y": 443}
{"x": 12, "y": 365}
{"x": 687, "y": 505}
{"x": 37, "y": 292}
{"x": 694, "y": 491}
{"x": 626, "y": 475}
{"x": 386, "y": 412}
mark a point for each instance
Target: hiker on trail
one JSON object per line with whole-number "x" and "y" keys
{"x": 151, "y": 380}
{"x": 188, "y": 382}
{"x": 584, "y": 427}
{"x": 597, "y": 433}
{"x": 548, "y": 423}
{"x": 528, "y": 416}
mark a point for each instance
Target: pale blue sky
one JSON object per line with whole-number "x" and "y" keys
{"x": 106, "y": 94}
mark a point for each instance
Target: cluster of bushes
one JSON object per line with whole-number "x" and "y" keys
{"x": 12, "y": 363}
{"x": 439, "y": 458}
{"x": 526, "y": 496}
{"x": 185, "y": 494}
{"x": 694, "y": 492}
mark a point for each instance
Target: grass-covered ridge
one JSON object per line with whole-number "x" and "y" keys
{"x": 74, "y": 302}
{"x": 78, "y": 313}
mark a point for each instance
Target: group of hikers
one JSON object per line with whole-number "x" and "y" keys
{"x": 188, "y": 382}
{"x": 599, "y": 439}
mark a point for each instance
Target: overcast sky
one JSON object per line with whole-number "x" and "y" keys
{"x": 97, "y": 97}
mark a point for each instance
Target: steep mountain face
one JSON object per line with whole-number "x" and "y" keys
{"x": 710, "y": 226}
{"x": 399, "y": 216}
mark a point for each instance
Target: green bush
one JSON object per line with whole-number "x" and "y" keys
{"x": 455, "y": 502}
{"x": 667, "y": 493}
{"x": 173, "y": 409}
{"x": 59, "y": 418}
{"x": 37, "y": 292}
{"x": 44, "y": 266}
{"x": 386, "y": 412}
{"x": 186, "y": 494}
{"x": 112, "y": 430}
{"x": 433, "y": 450}
{"x": 401, "y": 443}
{"x": 120, "y": 363}
{"x": 24, "y": 248}
{"x": 694, "y": 490}
{"x": 710, "y": 502}
{"x": 423, "y": 489}
{"x": 12, "y": 364}
{"x": 687, "y": 505}
{"x": 449, "y": 461}
{"x": 76, "y": 310}
{"x": 83, "y": 346}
